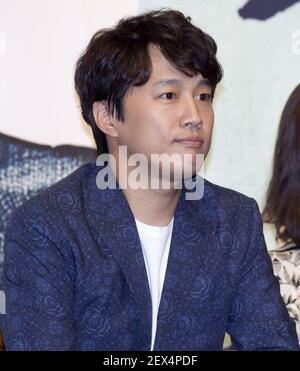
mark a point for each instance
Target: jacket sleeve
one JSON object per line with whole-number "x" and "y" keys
{"x": 258, "y": 318}
{"x": 38, "y": 285}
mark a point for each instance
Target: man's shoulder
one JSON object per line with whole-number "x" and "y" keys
{"x": 225, "y": 194}
{"x": 61, "y": 197}
{"x": 228, "y": 200}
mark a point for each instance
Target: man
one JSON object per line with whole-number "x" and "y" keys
{"x": 140, "y": 267}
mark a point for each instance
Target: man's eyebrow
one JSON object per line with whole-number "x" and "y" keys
{"x": 166, "y": 82}
{"x": 205, "y": 82}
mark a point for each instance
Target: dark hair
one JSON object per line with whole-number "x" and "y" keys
{"x": 283, "y": 197}
{"x": 118, "y": 58}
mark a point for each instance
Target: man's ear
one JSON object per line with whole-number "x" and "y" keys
{"x": 104, "y": 119}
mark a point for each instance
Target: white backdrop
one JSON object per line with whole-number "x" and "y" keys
{"x": 40, "y": 40}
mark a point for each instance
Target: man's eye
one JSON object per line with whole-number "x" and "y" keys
{"x": 205, "y": 97}
{"x": 169, "y": 96}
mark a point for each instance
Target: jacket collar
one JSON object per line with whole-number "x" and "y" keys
{"x": 113, "y": 222}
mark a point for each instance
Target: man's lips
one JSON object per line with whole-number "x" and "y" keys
{"x": 194, "y": 142}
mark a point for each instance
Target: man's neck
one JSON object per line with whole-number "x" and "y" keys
{"x": 150, "y": 206}
{"x": 154, "y": 207}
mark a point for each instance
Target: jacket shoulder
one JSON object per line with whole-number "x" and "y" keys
{"x": 63, "y": 196}
{"x": 226, "y": 195}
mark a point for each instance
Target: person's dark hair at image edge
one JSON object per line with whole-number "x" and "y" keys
{"x": 283, "y": 198}
{"x": 117, "y": 59}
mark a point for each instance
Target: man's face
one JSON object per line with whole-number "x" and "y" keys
{"x": 170, "y": 114}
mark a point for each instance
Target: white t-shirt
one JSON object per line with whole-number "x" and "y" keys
{"x": 155, "y": 243}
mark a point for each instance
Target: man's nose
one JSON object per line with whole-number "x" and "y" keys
{"x": 191, "y": 115}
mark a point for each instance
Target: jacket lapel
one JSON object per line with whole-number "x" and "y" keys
{"x": 187, "y": 269}
{"x": 113, "y": 222}
{"x": 194, "y": 227}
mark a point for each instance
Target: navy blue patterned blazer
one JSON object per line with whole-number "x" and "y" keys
{"x": 75, "y": 277}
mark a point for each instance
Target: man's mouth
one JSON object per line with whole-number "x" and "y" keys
{"x": 193, "y": 142}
